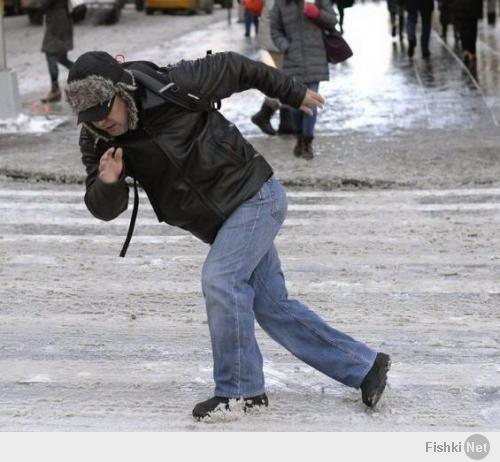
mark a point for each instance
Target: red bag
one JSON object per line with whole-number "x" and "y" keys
{"x": 254, "y": 6}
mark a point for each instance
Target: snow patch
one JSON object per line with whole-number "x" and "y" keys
{"x": 40, "y": 378}
{"x": 25, "y": 124}
{"x": 221, "y": 414}
{"x": 84, "y": 374}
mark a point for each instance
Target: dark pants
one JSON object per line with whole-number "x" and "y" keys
{"x": 52, "y": 60}
{"x": 250, "y": 18}
{"x": 411, "y": 28}
{"x": 467, "y": 30}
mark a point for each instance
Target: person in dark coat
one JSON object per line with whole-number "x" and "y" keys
{"x": 466, "y": 14}
{"x": 297, "y": 29}
{"x": 201, "y": 175}
{"x": 424, "y": 8}
{"x": 57, "y": 41}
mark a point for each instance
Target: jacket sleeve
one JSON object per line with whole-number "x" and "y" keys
{"x": 220, "y": 75}
{"x": 327, "y": 17}
{"x": 104, "y": 200}
{"x": 277, "y": 30}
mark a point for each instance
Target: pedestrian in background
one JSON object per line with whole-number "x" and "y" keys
{"x": 297, "y": 29}
{"x": 251, "y": 12}
{"x": 57, "y": 41}
{"x": 397, "y": 12}
{"x": 273, "y": 57}
{"x": 466, "y": 14}
{"x": 445, "y": 16}
{"x": 424, "y": 8}
{"x": 341, "y": 6}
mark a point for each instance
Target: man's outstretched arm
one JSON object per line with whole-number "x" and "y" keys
{"x": 220, "y": 75}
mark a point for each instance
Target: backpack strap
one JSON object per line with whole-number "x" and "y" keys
{"x": 171, "y": 92}
{"x": 133, "y": 218}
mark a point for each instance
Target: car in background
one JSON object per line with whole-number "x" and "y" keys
{"x": 193, "y": 6}
{"x": 100, "y": 11}
{"x": 12, "y": 7}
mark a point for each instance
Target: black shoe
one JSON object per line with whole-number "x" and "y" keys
{"x": 393, "y": 30}
{"x": 205, "y": 408}
{"x": 298, "y": 149}
{"x": 263, "y": 119}
{"x": 411, "y": 48}
{"x": 373, "y": 384}
{"x": 308, "y": 152}
{"x": 426, "y": 54}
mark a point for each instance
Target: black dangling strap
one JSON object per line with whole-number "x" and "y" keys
{"x": 133, "y": 217}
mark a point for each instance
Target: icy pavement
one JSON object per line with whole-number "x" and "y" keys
{"x": 89, "y": 341}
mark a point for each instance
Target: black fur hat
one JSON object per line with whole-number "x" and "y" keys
{"x": 93, "y": 81}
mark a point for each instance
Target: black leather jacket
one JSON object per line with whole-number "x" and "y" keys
{"x": 195, "y": 167}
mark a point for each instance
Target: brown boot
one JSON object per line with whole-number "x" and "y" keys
{"x": 53, "y": 96}
{"x": 298, "y": 149}
{"x": 308, "y": 152}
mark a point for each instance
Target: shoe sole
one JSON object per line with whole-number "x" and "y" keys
{"x": 373, "y": 400}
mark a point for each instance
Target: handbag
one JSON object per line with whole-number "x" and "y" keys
{"x": 337, "y": 49}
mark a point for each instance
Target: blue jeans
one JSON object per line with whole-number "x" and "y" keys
{"x": 242, "y": 283}
{"x": 304, "y": 122}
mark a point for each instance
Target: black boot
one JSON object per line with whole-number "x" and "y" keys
{"x": 308, "y": 152}
{"x": 263, "y": 119}
{"x": 298, "y": 149}
{"x": 287, "y": 122}
{"x": 373, "y": 384}
{"x": 205, "y": 408}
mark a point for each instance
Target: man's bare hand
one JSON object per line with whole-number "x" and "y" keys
{"x": 311, "y": 100}
{"x": 111, "y": 165}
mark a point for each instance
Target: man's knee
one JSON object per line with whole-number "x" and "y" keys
{"x": 214, "y": 281}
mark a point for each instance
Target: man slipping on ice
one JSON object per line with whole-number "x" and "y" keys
{"x": 160, "y": 127}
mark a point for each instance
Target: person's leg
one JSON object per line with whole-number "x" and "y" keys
{"x": 473, "y": 36}
{"x": 392, "y": 7}
{"x": 302, "y": 332}
{"x": 298, "y": 117}
{"x": 247, "y": 19}
{"x": 54, "y": 94}
{"x": 244, "y": 239}
{"x": 411, "y": 31}
{"x": 341, "y": 19}
{"x": 308, "y": 124}
{"x": 262, "y": 118}
{"x": 53, "y": 69}
{"x": 256, "y": 23}
{"x": 63, "y": 59}
{"x": 426, "y": 32}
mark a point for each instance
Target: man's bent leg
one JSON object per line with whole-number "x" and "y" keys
{"x": 303, "y": 332}
{"x": 243, "y": 240}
